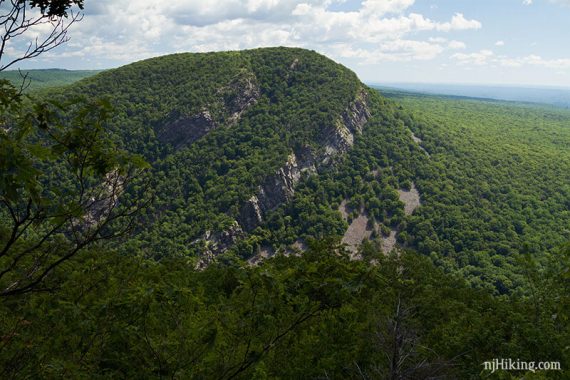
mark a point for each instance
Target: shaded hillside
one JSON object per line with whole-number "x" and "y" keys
{"x": 259, "y": 152}
{"x": 229, "y": 136}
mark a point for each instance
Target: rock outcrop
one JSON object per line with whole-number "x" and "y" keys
{"x": 275, "y": 190}
{"x": 186, "y": 129}
{"x": 232, "y": 101}
{"x": 340, "y": 137}
{"x": 239, "y": 95}
{"x": 280, "y": 187}
{"x": 216, "y": 243}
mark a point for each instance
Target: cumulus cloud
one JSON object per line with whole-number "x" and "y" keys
{"x": 376, "y": 30}
{"x": 488, "y": 57}
{"x": 456, "y": 45}
{"x": 535, "y": 60}
{"x": 459, "y": 22}
{"x": 500, "y": 43}
{"x": 479, "y": 58}
{"x": 381, "y": 7}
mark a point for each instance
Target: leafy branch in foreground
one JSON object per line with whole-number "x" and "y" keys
{"x": 49, "y": 216}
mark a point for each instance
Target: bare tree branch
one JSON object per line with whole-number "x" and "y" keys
{"x": 21, "y": 16}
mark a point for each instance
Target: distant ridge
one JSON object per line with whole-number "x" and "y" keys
{"x": 556, "y": 96}
{"x": 47, "y": 78}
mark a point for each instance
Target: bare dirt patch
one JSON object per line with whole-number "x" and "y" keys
{"x": 410, "y": 198}
{"x": 344, "y": 209}
{"x": 389, "y": 242}
{"x": 356, "y": 233}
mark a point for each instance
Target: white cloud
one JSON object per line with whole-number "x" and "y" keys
{"x": 457, "y": 45}
{"x": 377, "y": 30}
{"x": 382, "y": 7}
{"x": 527, "y": 2}
{"x": 479, "y": 58}
{"x": 536, "y": 60}
{"x": 487, "y": 57}
{"x": 459, "y": 22}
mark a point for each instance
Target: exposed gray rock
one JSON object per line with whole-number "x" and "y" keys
{"x": 239, "y": 95}
{"x": 294, "y": 64}
{"x": 419, "y": 141}
{"x": 340, "y": 137}
{"x": 187, "y": 129}
{"x": 232, "y": 101}
{"x": 102, "y": 200}
{"x": 410, "y": 198}
{"x": 275, "y": 190}
{"x": 280, "y": 187}
{"x": 216, "y": 243}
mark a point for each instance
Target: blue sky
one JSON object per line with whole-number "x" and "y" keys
{"x": 521, "y": 42}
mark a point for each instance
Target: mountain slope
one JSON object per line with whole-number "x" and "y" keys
{"x": 229, "y": 135}
{"x": 280, "y": 151}
{"x": 261, "y": 151}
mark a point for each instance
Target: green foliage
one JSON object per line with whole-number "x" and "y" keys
{"x": 53, "y": 8}
{"x": 497, "y": 184}
{"x": 494, "y": 192}
{"x": 45, "y": 79}
{"x": 60, "y": 180}
{"x": 292, "y": 317}
{"x": 202, "y": 186}
{"x": 494, "y": 186}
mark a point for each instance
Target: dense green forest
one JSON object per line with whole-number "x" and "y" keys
{"x": 132, "y": 201}
{"x": 315, "y": 316}
{"x": 45, "y": 78}
{"x": 202, "y": 186}
{"x": 501, "y": 184}
{"x": 494, "y": 180}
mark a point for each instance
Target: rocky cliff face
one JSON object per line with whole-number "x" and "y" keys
{"x": 275, "y": 190}
{"x": 280, "y": 187}
{"x": 216, "y": 243}
{"x": 232, "y": 100}
{"x": 339, "y": 138}
{"x": 239, "y": 95}
{"x": 187, "y": 129}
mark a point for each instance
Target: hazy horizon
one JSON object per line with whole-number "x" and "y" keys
{"x": 511, "y": 42}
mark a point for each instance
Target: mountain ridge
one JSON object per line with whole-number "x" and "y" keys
{"x": 306, "y": 108}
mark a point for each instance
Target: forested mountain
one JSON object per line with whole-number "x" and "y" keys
{"x": 293, "y": 223}
{"x": 229, "y": 136}
{"x": 251, "y": 155}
